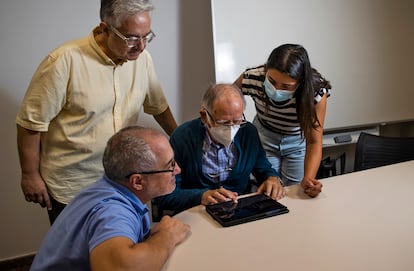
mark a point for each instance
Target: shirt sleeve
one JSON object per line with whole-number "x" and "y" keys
{"x": 252, "y": 82}
{"x": 180, "y": 199}
{"x": 320, "y": 93}
{"x": 45, "y": 95}
{"x": 115, "y": 219}
{"x": 155, "y": 102}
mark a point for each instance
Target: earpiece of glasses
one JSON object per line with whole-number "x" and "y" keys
{"x": 154, "y": 171}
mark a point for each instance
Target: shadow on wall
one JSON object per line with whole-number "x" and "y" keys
{"x": 20, "y": 220}
{"x": 197, "y": 55}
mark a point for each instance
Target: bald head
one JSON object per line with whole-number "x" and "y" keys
{"x": 222, "y": 94}
{"x": 224, "y": 103}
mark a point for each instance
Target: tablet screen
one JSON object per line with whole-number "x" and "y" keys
{"x": 246, "y": 209}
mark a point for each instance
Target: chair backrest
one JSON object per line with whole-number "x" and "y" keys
{"x": 331, "y": 166}
{"x": 375, "y": 151}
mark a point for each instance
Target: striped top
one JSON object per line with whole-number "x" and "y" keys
{"x": 279, "y": 117}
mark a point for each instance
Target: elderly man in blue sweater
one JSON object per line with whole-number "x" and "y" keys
{"x": 217, "y": 154}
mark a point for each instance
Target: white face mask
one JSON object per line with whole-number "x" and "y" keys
{"x": 224, "y": 134}
{"x": 277, "y": 95}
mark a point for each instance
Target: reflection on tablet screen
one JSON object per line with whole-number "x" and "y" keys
{"x": 247, "y": 209}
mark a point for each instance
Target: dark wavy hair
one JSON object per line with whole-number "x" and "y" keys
{"x": 293, "y": 60}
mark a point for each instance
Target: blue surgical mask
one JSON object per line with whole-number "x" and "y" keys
{"x": 277, "y": 95}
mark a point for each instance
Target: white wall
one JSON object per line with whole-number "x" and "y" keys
{"x": 183, "y": 57}
{"x": 364, "y": 47}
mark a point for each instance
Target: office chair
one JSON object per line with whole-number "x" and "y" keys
{"x": 331, "y": 166}
{"x": 375, "y": 151}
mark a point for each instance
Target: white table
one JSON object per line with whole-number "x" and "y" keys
{"x": 361, "y": 221}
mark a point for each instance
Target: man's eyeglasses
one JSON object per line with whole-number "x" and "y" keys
{"x": 172, "y": 165}
{"x": 134, "y": 40}
{"x": 240, "y": 122}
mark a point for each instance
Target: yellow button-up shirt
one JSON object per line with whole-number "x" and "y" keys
{"x": 79, "y": 98}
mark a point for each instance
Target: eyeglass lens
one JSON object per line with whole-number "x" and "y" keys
{"x": 227, "y": 122}
{"x": 133, "y": 41}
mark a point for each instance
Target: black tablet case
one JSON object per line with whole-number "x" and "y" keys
{"x": 247, "y": 209}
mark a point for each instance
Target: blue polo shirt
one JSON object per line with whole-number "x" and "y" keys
{"x": 102, "y": 211}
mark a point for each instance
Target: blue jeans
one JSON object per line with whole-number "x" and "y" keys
{"x": 286, "y": 153}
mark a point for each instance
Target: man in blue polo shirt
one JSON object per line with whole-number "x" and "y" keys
{"x": 107, "y": 226}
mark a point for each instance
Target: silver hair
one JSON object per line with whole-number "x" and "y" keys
{"x": 115, "y": 12}
{"x": 128, "y": 151}
{"x": 215, "y": 90}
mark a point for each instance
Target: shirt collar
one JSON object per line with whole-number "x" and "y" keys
{"x": 97, "y": 31}
{"x": 135, "y": 201}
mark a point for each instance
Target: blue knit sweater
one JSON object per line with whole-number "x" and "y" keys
{"x": 187, "y": 142}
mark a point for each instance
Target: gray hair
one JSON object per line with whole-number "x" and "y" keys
{"x": 215, "y": 90}
{"x": 128, "y": 151}
{"x": 114, "y": 12}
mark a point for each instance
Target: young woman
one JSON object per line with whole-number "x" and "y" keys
{"x": 290, "y": 99}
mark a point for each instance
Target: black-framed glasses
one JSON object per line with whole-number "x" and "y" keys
{"x": 172, "y": 164}
{"x": 134, "y": 40}
{"x": 240, "y": 122}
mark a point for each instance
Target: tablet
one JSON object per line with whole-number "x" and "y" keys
{"x": 247, "y": 209}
